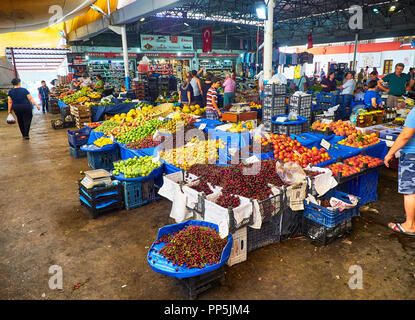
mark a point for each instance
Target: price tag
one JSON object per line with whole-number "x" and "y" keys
{"x": 202, "y": 126}
{"x": 198, "y": 120}
{"x": 156, "y": 134}
{"x": 252, "y": 159}
{"x": 325, "y": 144}
{"x": 389, "y": 137}
{"x": 112, "y": 138}
{"x": 296, "y": 152}
{"x": 161, "y": 118}
{"x": 189, "y": 144}
{"x": 233, "y": 151}
{"x": 327, "y": 121}
{"x": 281, "y": 119}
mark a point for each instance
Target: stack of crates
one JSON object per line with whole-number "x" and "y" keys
{"x": 53, "y": 106}
{"x": 82, "y": 114}
{"x": 302, "y": 105}
{"x": 274, "y": 104}
{"x": 76, "y": 139}
{"x": 101, "y": 199}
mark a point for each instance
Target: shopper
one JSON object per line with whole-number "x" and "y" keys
{"x": 99, "y": 86}
{"x": 44, "y": 96}
{"x": 229, "y": 93}
{"x": 405, "y": 143}
{"x": 197, "y": 88}
{"x": 366, "y": 75}
{"x": 359, "y": 95}
{"x": 75, "y": 83}
{"x": 372, "y": 98}
{"x": 360, "y": 76}
{"x": 206, "y": 85}
{"x": 212, "y": 109}
{"x": 85, "y": 81}
{"x": 328, "y": 84}
{"x": 375, "y": 71}
{"x": 186, "y": 92}
{"x": 397, "y": 84}
{"x": 20, "y": 101}
{"x": 322, "y": 74}
{"x": 347, "y": 92}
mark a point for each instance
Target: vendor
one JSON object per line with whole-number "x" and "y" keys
{"x": 75, "y": 83}
{"x": 85, "y": 81}
{"x": 373, "y": 76}
{"x": 99, "y": 86}
{"x": 372, "y": 98}
{"x": 397, "y": 85}
{"x": 405, "y": 143}
{"x": 328, "y": 84}
{"x": 212, "y": 109}
{"x": 347, "y": 92}
{"x": 229, "y": 92}
{"x": 186, "y": 92}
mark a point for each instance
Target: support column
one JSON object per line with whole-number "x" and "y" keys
{"x": 356, "y": 42}
{"x": 125, "y": 56}
{"x": 268, "y": 40}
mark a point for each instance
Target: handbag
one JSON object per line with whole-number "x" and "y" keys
{"x": 10, "y": 119}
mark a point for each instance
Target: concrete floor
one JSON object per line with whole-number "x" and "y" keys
{"x": 43, "y": 224}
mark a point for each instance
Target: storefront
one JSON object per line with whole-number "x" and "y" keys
{"x": 218, "y": 63}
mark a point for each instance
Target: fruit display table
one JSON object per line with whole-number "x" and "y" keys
{"x": 98, "y": 112}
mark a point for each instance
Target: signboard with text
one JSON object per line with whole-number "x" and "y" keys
{"x": 168, "y": 55}
{"x": 218, "y": 55}
{"x": 165, "y": 43}
{"x": 112, "y": 55}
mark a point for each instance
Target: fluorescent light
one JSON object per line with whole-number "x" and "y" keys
{"x": 392, "y": 8}
{"x": 375, "y": 10}
{"x": 97, "y": 9}
{"x": 138, "y": 50}
{"x": 142, "y": 19}
{"x": 179, "y": 54}
{"x": 238, "y": 27}
{"x": 86, "y": 57}
{"x": 261, "y": 11}
{"x": 186, "y": 24}
{"x": 241, "y": 55}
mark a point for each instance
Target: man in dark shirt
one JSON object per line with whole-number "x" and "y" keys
{"x": 397, "y": 84}
{"x": 44, "y": 96}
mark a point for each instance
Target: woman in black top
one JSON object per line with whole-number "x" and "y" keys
{"x": 206, "y": 86}
{"x": 20, "y": 101}
{"x": 186, "y": 92}
{"x": 328, "y": 84}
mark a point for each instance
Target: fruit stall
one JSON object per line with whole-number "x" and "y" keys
{"x": 234, "y": 186}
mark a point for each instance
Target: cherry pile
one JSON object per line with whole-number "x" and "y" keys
{"x": 311, "y": 174}
{"x": 194, "y": 247}
{"x": 147, "y": 142}
{"x": 227, "y": 200}
{"x": 202, "y": 186}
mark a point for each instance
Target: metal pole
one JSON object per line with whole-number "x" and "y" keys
{"x": 108, "y": 7}
{"x": 125, "y": 55}
{"x": 356, "y": 40}
{"x": 257, "y": 51}
{"x": 14, "y": 64}
{"x": 268, "y": 39}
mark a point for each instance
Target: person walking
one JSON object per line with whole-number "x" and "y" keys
{"x": 44, "y": 96}
{"x": 347, "y": 91}
{"x": 186, "y": 92}
{"x": 405, "y": 143}
{"x": 197, "y": 88}
{"x": 212, "y": 109}
{"x": 360, "y": 76}
{"x": 397, "y": 85}
{"x": 229, "y": 93}
{"x": 19, "y": 99}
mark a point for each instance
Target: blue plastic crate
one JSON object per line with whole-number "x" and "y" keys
{"x": 139, "y": 193}
{"x": 76, "y": 152}
{"x": 365, "y": 187}
{"x": 80, "y": 137}
{"x": 103, "y": 159}
{"x": 326, "y": 217}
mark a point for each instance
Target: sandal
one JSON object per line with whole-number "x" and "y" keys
{"x": 397, "y": 227}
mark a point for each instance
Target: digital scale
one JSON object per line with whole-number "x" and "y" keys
{"x": 94, "y": 178}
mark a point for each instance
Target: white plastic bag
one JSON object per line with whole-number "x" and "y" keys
{"x": 10, "y": 119}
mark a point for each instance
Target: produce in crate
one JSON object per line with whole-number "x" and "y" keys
{"x": 344, "y": 169}
{"x": 172, "y": 125}
{"x": 341, "y": 128}
{"x": 144, "y": 143}
{"x": 137, "y": 133}
{"x": 78, "y": 96}
{"x": 103, "y": 141}
{"x": 361, "y": 160}
{"x": 202, "y": 186}
{"x": 135, "y": 167}
{"x": 241, "y": 127}
{"x": 106, "y": 126}
{"x": 200, "y": 152}
{"x": 193, "y": 247}
{"x": 227, "y": 200}
{"x": 360, "y": 140}
{"x": 93, "y": 124}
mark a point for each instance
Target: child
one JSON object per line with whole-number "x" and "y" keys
{"x": 212, "y": 109}
{"x": 372, "y": 98}
{"x": 359, "y": 94}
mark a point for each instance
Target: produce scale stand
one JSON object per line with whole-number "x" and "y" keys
{"x": 338, "y": 160}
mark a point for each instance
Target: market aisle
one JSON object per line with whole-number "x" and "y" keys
{"x": 43, "y": 224}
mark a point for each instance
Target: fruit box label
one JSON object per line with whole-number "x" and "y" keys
{"x": 325, "y": 144}
{"x": 202, "y": 126}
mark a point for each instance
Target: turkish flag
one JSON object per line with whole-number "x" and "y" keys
{"x": 310, "y": 41}
{"x": 207, "y": 39}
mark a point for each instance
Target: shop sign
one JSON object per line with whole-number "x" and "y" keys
{"x": 218, "y": 55}
{"x": 169, "y": 55}
{"x": 161, "y": 43}
{"x": 112, "y": 55}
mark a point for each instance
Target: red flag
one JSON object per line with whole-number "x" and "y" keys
{"x": 310, "y": 41}
{"x": 207, "y": 39}
{"x": 258, "y": 38}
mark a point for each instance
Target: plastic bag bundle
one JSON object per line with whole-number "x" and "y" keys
{"x": 10, "y": 119}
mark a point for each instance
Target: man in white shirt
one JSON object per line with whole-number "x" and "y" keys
{"x": 347, "y": 91}
{"x": 85, "y": 81}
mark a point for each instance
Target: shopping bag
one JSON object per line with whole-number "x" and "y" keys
{"x": 10, "y": 119}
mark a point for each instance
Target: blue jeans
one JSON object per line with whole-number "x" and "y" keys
{"x": 347, "y": 105}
